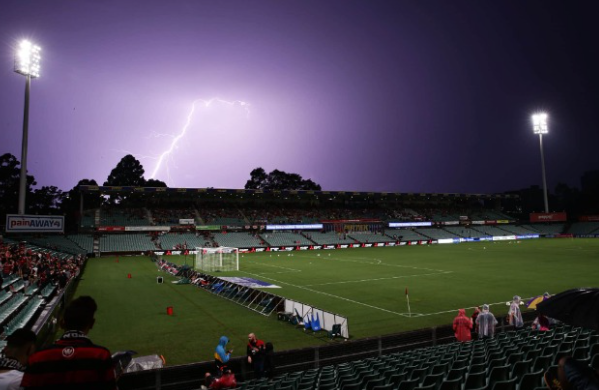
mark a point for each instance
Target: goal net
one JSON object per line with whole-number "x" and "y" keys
{"x": 217, "y": 259}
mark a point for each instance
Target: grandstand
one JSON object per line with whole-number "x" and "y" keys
{"x": 584, "y": 228}
{"x": 509, "y": 361}
{"x": 238, "y": 240}
{"x": 124, "y": 217}
{"x": 126, "y": 242}
{"x": 329, "y": 238}
{"x": 285, "y": 239}
{"x": 511, "y": 358}
{"x": 553, "y": 228}
{"x": 183, "y": 240}
{"x": 366, "y": 237}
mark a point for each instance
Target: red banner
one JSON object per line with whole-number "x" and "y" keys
{"x": 548, "y": 217}
{"x": 588, "y": 218}
{"x": 111, "y": 228}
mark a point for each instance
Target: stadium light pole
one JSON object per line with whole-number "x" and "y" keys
{"x": 539, "y": 126}
{"x": 27, "y": 63}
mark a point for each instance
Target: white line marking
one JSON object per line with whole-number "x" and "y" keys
{"x": 329, "y": 295}
{"x": 377, "y": 279}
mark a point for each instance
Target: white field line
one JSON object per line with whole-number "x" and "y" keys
{"x": 378, "y": 279}
{"x": 329, "y": 295}
{"x": 305, "y": 287}
{"x": 287, "y": 269}
{"x": 380, "y": 262}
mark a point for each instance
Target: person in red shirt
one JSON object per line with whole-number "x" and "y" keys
{"x": 255, "y": 354}
{"x": 73, "y": 361}
{"x": 462, "y": 325}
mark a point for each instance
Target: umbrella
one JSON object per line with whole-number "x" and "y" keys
{"x": 532, "y": 304}
{"x": 577, "y": 307}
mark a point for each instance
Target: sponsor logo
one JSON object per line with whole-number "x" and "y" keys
{"x": 68, "y": 352}
{"x": 34, "y": 223}
{"x": 260, "y": 249}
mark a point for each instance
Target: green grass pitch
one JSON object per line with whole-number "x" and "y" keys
{"x": 366, "y": 285}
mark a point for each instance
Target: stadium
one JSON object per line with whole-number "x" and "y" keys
{"x": 339, "y": 282}
{"x": 405, "y": 236}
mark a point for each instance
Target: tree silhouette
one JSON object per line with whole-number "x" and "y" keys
{"x": 128, "y": 172}
{"x": 278, "y": 180}
{"x": 10, "y": 172}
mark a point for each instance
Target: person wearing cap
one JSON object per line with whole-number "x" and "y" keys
{"x": 514, "y": 314}
{"x": 19, "y": 346}
{"x": 486, "y": 323}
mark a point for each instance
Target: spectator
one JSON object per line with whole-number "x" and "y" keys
{"x": 474, "y": 327}
{"x": 19, "y": 346}
{"x": 514, "y": 314}
{"x": 222, "y": 355}
{"x": 462, "y": 326}
{"x": 226, "y": 381}
{"x": 541, "y": 323}
{"x": 269, "y": 361}
{"x": 572, "y": 375}
{"x": 486, "y": 322}
{"x": 73, "y": 361}
{"x": 255, "y": 353}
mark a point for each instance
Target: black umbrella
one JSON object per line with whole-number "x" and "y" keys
{"x": 577, "y": 307}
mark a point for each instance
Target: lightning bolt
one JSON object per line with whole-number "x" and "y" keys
{"x": 175, "y": 141}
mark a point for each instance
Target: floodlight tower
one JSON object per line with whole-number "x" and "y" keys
{"x": 539, "y": 126}
{"x": 27, "y": 63}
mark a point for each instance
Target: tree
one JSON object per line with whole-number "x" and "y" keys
{"x": 155, "y": 183}
{"x": 128, "y": 172}
{"x": 10, "y": 173}
{"x": 258, "y": 178}
{"x": 46, "y": 200}
{"x": 279, "y": 180}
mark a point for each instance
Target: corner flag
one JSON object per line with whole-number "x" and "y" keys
{"x": 408, "y": 302}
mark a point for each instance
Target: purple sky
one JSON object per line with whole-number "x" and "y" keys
{"x": 407, "y": 96}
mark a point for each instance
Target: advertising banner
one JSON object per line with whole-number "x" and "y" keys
{"x": 294, "y": 227}
{"x": 187, "y": 221}
{"x": 408, "y": 224}
{"x": 548, "y": 217}
{"x": 207, "y": 227}
{"x": 147, "y": 228}
{"x": 589, "y": 218}
{"x": 111, "y": 228}
{"x": 34, "y": 223}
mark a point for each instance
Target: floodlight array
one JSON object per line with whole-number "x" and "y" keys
{"x": 539, "y": 123}
{"x": 27, "y": 60}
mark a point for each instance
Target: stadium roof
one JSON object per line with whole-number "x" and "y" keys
{"x": 131, "y": 189}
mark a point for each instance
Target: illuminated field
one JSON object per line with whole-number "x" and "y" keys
{"x": 366, "y": 285}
